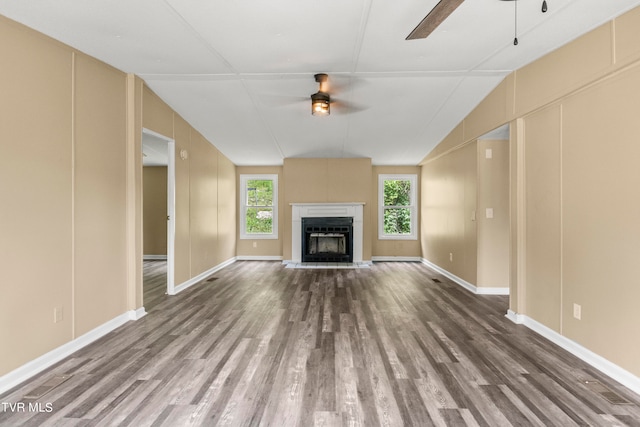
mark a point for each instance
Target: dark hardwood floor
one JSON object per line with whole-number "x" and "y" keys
{"x": 154, "y": 283}
{"x": 266, "y": 345}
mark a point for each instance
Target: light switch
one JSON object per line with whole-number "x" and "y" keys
{"x": 57, "y": 315}
{"x": 489, "y": 212}
{"x": 488, "y": 153}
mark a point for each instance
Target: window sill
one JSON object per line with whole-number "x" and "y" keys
{"x": 258, "y": 237}
{"x": 397, "y": 237}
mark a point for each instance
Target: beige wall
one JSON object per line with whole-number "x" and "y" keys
{"x": 155, "y": 210}
{"x": 36, "y": 195}
{"x": 205, "y": 193}
{"x": 203, "y": 198}
{"x": 600, "y": 217}
{"x": 493, "y": 233}
{"x": 100, "y": 262}
{"x": 135, "y": 222}
{"x": 449, "y": 198}
{"x": 71, "y": 186}
{"x": 543, "y": 222}
{"x": 574, "y": 173}
{"x": 63, "y": 194}
{"x": 227, "y": 209}
{"x": 182, "y": 137}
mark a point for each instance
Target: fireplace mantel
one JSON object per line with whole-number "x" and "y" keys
{"x": 307, "y": 210}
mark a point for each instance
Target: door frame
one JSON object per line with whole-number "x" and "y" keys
{"x": 171, "y": 207}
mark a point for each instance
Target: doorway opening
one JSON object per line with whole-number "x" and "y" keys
{"x": 158, "y": 162}
{"x": 492, "y": 214}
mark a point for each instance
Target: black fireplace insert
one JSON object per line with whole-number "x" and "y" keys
{"x": 327, "y": 239}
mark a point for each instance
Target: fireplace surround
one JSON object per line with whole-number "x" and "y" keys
{"x": 352, "y": 210}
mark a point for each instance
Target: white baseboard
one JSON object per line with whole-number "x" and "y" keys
{"x": 395, "y": 258}
{"x": 515, "y": 317}
{"x": 485, "y": 290}
{"x": 259, "y": 258}
{"x": 184, "y": 285}
{"x": 154, "y": 257}
{"x": 478, "y": 290}
{"x": 29, "y": 369}
{"x": 138, "y": 313}
{"x": 605, "y": 366}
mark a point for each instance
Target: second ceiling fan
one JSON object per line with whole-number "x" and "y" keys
{"x": 438, "y": 14}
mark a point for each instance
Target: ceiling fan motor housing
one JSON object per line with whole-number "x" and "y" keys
{"x": 320, "y": 97}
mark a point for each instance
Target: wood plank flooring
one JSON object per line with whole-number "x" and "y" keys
{"x": 270, "y": 346}
{"x": 154, "y": 283}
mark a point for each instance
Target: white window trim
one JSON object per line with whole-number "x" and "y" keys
{"x": 243, "y": 208}
{"x": 413, "y": 178}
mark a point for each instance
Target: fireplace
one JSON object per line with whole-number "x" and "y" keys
{"x": 351, "y": 211}
{"x": 327, "y": 239}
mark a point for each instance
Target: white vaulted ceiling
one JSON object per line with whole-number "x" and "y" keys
{"x": 241, "y": 71}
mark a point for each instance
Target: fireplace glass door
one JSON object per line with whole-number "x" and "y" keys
{"x": 327, "y": 239}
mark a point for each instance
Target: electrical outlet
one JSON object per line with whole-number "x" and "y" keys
{"x": 451, "y": 256}
{"x": 255, "y": 244}
{"x": 57, "y": 315}
{"x": 577, "y": 311}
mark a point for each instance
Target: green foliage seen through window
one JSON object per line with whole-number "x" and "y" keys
{"x": 397, "y": 218}
{"x": 259, "y": 204}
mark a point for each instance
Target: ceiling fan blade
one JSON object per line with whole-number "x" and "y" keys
{"x": 343, "y": 107}
{"x": 344, "y": 83}
{"x": 275, "y": 101}
{"x": 437, "y": 15}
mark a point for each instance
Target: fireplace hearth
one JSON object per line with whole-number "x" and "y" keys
{"x": 327, "y": 239}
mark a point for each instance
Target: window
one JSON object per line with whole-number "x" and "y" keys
{"x": 397, "y": 207}
{"x": 258, "y": 206}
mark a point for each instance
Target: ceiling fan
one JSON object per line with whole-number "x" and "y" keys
{"x": 438, "y": 14}
{"x": 322, "y": 101}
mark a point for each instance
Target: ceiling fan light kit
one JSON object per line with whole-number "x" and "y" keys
{"x": 321, "y": 101}
{"x": 320, "y": 104}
